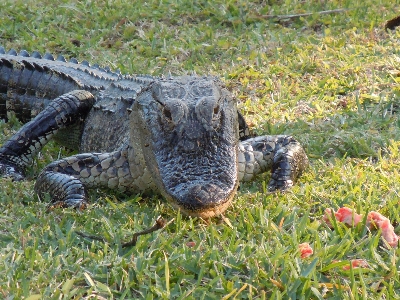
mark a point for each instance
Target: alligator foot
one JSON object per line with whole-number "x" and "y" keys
{"x": 9, "y": 170}
{"x": 61, "y": 204}
{"x": 64, "y": 190}
{"x": 282, "y": 186}
{"x": 289, "y": 162}
{"x": 281, "y": 153}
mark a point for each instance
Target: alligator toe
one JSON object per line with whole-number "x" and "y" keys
{"x": 11, "y": 171}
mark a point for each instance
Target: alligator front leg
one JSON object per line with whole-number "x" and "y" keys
{"x": 18, "y": 152}
{"x": 67, "y": 180}
{"x": 282, "y": 153}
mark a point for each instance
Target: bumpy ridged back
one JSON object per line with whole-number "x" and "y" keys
{"x": 29, "y": 81}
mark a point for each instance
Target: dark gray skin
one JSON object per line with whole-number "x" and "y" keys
{"x": 188, "y": 125}
{"x": 178, "y": 136}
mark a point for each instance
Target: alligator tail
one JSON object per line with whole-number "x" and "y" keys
{"x": 26, "y": 87}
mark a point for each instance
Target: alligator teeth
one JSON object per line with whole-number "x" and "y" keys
{"x": 107, "y": 69}
{"x": 2, "y": 51}
{"x": 73, "y": 60}
{"x": 96, "y": 66}
{"x": 48, "y": 56}
{"x": 24, "y": 53}
{"x": 61, "y": 58}
{"x": 85, "y": 63}
{"x": 12, "y": 52}
{"x": 36, "y": 54}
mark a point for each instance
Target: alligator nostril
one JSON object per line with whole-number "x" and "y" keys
{"x": 167, "y": 114}
{"x": 216, "y": 110}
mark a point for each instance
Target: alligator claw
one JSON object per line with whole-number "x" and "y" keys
{"x": 61, "y": 204}
{"x": 11, "y": 171}
{"x": 282, "y": 186}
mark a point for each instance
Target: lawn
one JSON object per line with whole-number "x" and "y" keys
{"x": 331, "y": 80}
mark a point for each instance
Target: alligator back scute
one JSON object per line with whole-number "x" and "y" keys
{"x": 27, "y": 87}
{"x": 29, "y": 82}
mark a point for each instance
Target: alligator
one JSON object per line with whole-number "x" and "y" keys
{"x": 181, "y": 137}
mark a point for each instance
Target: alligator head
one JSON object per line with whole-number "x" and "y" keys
{"x": 186, "y": 129}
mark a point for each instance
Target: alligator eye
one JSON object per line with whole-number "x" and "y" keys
{"x": 167, "y": 114}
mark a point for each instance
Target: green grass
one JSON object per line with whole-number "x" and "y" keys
{"x": 330, "y": 80}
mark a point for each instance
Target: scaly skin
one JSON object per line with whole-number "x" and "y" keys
{"x": 178, "y": 136}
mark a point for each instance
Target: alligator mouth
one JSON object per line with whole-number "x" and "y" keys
{"x": 200, "y": 184}
{"x": 204, "y": 201}
{"x": 204, "y": 213}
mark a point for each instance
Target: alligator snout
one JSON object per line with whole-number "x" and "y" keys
{"x": 204, "y": 200}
